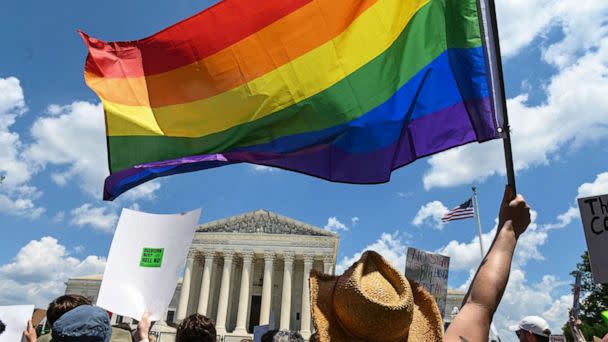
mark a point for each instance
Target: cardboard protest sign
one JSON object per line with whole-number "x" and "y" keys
{"x": 431, "y": 271}
{"x": 594, "y": 213}
{"x": 14, "y": 319}
{"x": 147, "y": 254}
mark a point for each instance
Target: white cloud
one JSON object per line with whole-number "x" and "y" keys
{"x": 576, "y": 102}
{"x": 391, "y": 246}
{"x": 101, "y": 218}
{"x": 72, "y": 137}
{"x": 533, "y": 18}
{"x": 354, "y": 220}
{"x": 334, "y": 225}
{"x": 583, "y": 24}
{"x": 16, "y": 195}
{"x": 564, "y": 219}
{"x": 39, "y": 270}
{"x": 597, "y": 187}
{"x": 430, "y": 214}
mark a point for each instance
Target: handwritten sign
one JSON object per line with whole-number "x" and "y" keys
{"x": 151, "y": 257}
{"x": 594, "y": 213}
{"x": 431, "y": 271}
{"x": 558, "y": 338}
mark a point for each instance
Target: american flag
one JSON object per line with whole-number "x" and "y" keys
{"x": 463, "y": 211}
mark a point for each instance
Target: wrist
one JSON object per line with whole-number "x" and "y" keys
{"x": 508, "y": 228}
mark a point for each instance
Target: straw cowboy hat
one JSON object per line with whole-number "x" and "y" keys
{"x": 372, "y": 301}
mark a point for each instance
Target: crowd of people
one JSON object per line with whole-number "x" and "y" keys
{"x": 370, "y": 301}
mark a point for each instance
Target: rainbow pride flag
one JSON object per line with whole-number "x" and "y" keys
{"x": 344, "y": 90}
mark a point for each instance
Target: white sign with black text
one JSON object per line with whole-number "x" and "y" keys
{"x": 594, "y": 213}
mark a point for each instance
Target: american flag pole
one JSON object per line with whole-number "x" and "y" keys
{"x": 476, "y": 211}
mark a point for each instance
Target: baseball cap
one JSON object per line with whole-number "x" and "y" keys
{"x": 533, "y": 324}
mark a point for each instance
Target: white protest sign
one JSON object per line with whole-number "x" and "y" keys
{"x": 14, "y": 318}
{"x": 558, "y": 338}
{"x": 594, "y": 213}
{"x": 148, "y": 252}
{"x": 431, "y": 271}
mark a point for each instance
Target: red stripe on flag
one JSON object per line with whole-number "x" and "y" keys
{"x": 188, "y": 41}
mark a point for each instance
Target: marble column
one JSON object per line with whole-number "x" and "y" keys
{"x": 184, "y": 294}
{"x": 222, "y": 307}
{"x": 203, "y": 299}
{"x": 328, "y": 264}
{"x": 286, "y": 295}
{"x": 241, "y": 318}
{"x": 305, "y": 313}
{"x": 267, "y": 288}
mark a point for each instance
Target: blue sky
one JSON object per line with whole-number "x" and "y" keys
{"x": 52, "y": 152}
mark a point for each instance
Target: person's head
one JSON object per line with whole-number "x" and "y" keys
{"x": 63, "y": 304}
{"x": 2, "y": 327}
{"x": 287, "y": 336}
{"x": 83, "y": 323}
{"x": 196, "y": 328}
{"x": 532, "y": 329}
{"x": 373, "y": 301}
{"x": 314, "y": 337}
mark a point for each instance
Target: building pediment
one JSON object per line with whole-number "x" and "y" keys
{"x": 262, "y": 221}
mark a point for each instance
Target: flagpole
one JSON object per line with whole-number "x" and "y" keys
{"x": 476, "y": 210}
{"x": 505, "y": 130}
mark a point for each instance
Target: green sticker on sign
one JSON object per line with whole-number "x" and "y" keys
{"x": 151, "y": 257}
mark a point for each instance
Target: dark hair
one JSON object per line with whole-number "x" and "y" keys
{"x": 314, "y": 337}
{"x": 540, "y": 338}
{"x": 269, "y": 335}
{"x": 196, "y": 328}
{"x": 2, "y": 327}
{"x": 63, "y": 304}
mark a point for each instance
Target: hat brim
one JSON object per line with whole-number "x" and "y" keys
{"x": 426, "y": 326}
{"x": 514, "y": 327}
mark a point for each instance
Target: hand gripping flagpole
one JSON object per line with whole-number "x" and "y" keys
{"x": 494, "y": 60}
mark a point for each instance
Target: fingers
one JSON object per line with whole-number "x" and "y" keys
{"x": 507, "y": 197}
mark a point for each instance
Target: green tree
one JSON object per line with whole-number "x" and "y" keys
{"x": 595, "y": 300}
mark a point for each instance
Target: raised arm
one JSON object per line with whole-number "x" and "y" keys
{"x": 473, "y": 321}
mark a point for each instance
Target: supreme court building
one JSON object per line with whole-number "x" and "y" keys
{"x": 247, "y": 270}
